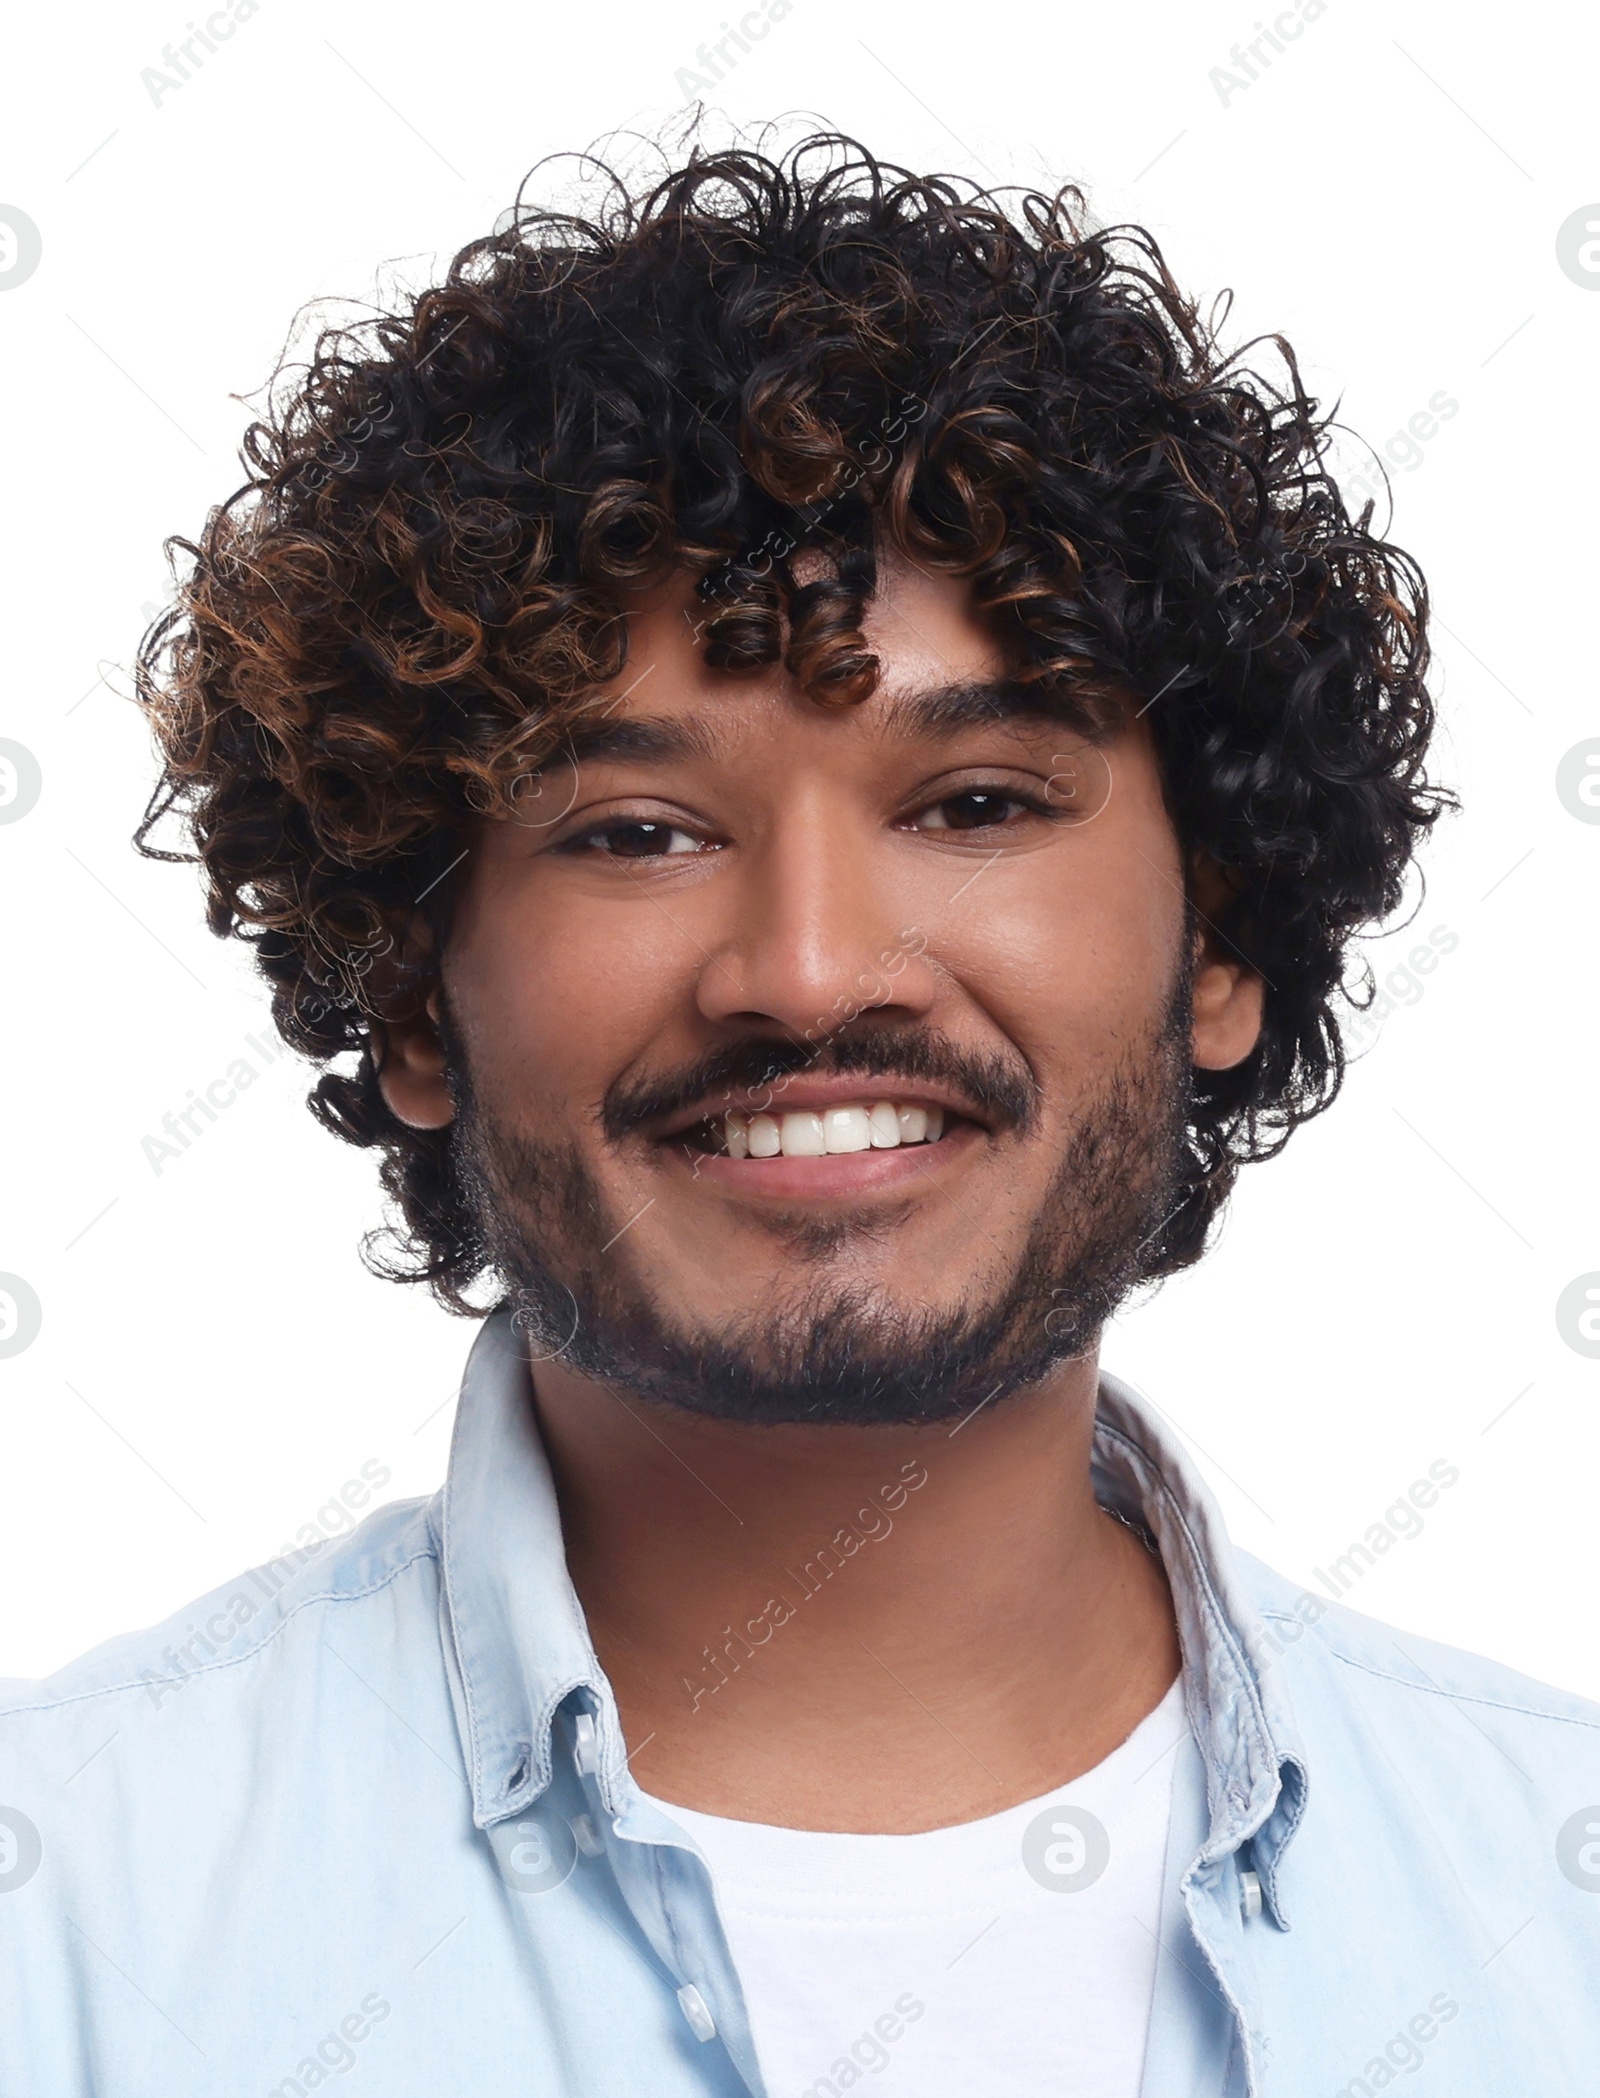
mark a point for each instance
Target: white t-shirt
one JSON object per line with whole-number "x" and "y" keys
{"x": 1009, "y": 1956}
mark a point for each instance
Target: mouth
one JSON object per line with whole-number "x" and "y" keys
{"x": 830, "y": 1132}
{"x": 824, "y": 1140}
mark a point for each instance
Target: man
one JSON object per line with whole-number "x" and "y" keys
{"x": 806, "y": 756}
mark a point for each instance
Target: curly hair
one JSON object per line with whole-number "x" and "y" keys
{"x": 423, "y": 582}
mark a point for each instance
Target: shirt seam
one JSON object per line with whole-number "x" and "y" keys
{"x": 665, "y": 1905}
{"x": 1463, "y": 1697}
{"x": 539, "y": 1757}
{"x": 187, "y": 1675}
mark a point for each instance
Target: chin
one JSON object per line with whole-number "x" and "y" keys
{"x": 842, "y": 1357}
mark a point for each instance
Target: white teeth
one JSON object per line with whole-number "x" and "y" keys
{"x": 877, "y": 1126}
{"x": 803, "y": 1135}
{"x": 885, "y": 1125}
{"x": 765, "y": 1142}
{"x": 847, "y": 1129}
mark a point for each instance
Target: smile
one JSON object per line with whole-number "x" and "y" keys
{"x": 877, "y": 1125}
{"x": 827, "y": 1138}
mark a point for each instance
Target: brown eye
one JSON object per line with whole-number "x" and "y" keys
{"x": 637, "y": 840}
{"x": 977, "y": 809}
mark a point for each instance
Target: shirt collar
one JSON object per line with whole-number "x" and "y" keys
{"x": 517, "y": 1637}
{"x": 519, "y": 1646}
{"x": 1237, "y": 1701}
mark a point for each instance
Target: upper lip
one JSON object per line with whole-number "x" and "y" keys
{"x": 779, "y": 1096}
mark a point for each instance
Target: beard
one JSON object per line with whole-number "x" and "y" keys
{"x": 835, "y": 1351}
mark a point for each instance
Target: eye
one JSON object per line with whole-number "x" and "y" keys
{"x": 975, "y": 808}
{"x": 634, "y": 838}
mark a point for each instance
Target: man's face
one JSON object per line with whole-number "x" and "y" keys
{"x": 931, "y": 954}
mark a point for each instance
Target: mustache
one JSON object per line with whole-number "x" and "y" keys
{"x": 1004, "y": 1088}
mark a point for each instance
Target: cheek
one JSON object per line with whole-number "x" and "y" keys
{"x": 1072, "y": 955}
{"x": 555, "y": 1001}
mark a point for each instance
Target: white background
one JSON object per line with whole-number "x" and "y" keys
{"x": 214, "y": 1362}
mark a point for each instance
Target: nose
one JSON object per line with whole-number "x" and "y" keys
{"x": 816, "y": 934}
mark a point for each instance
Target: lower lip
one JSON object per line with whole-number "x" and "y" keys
{"x": 841, "y": 1173}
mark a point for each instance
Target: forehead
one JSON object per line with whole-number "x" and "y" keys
{"x": 920, "y": 623}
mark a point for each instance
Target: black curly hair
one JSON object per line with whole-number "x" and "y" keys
{"x": 424, "y": 580}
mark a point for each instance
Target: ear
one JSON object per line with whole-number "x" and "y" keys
{"x": 411, "y": 1068}
{"x": 1229, "y": 995}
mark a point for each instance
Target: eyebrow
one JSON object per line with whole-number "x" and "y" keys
{"x": 641, "y": 736}
{"x": 948, "y": 710}
{"x": 935, "y": 714}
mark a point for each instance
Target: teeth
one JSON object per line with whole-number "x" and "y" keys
{"x": 878, "y": 1126}
{"x": 847, "y": 1129}
{"x": 765, "y": 1141}
{"x": 804, "y": 1136}
{"x": 884, "y": 1122}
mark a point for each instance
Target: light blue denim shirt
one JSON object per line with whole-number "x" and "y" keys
{"x": 371, "y": 1816}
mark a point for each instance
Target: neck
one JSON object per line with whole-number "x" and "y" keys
{"x": 873, "y": 1629}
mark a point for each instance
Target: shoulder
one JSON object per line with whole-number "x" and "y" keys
{"x": 1340, "y": 1667}
{"x": 227, "y": 1636}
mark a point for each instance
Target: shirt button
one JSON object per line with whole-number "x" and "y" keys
{"x": 1249, "y": 1895}
{"x": 585, "y": 1745}
{"x": 701, "y": 2022}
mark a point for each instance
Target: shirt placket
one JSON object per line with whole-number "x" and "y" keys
{"x": 666, "y": 1884}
